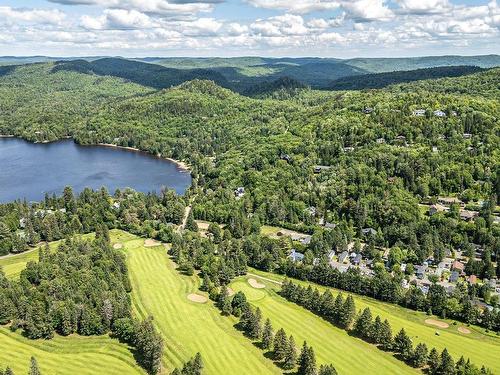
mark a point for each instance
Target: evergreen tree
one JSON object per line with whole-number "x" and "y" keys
{"x": 267, "y": 335}
{"x": 307, "y": 361}
{"x": 327, "y": 370}
{"x": 34, "y": 370}
{"x": 420, "y": 355}
{"x": 190, "y": 223}
{"x": 290, "y": 355}
{"x": 149, "y": 345}
{"x": 348, "y": 313}
{"x": 386, "y": 339}
{"x": 403, "y": 345}
{"x": 446, "y": 365}
{"x": 280, "y": 344}
{"x": 363, "y": 324}
{"x": 376, "y": 331}
{"x": 256, "y": 324}
{"x": 433, "y": 361}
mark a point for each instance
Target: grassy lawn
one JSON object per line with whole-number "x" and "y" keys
{"x": 332, "y": 345}
{"x": 13, "y": 265}
{"x": 66, "y": 355}
{"x": 187, "y": 327}
{"x": 479, "y": 346}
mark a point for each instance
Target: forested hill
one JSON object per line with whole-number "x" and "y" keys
{"x": 145, "y": 74}
{"x": 380, "y": 80}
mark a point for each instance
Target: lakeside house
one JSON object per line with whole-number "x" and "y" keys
{"x": 448, "y": 201}
{"x": 435, "y": 208}
{"x": 467, "y": 215}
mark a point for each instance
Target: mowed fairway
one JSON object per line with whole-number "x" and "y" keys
{"x": 187, "y": 327}
{"x": 12, "y": 265}
{"x": 480, "y": 347}
{"x": 332, "y": 345}
{"x": 67, "y": 355}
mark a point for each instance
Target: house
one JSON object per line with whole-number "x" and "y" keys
{"x": 380, "y": 141}
{"x": 311, "y": 211}
{"x": 439, "y": 113}
{"x": 116, "y": 205}
{"x": 348, "y": 149}
{"x": 448, "y": 201}
{"x": 419, "y": 112}
{"x": 454, "y": 276}
{"x": 472, "y": 279}
{"x": 444, "y": 265}
{"x": 331, "y": 255}
{"x": 435, "y": 208}
{"x": 454, "y": 113}
{"x": 357, "y": 259}
{"x": 367, "y": 110}
{"x": 239, "y": 192}
{"x": 339, "y": 266}
{"x": 458, "y": 266}
{"x": 467, "y": 136}
{"x": 343, "y": 256}
{"x": 467, "y": 215}
{"x": 434, "y": 149}
{"x": 330, "y": 225}
{"x": 420, "y": 271}
{"x": 404, "y": 284}
{"x": 295, "y": 256}
{"x": 369, "y": 231}
{"x": 22, "y": 222}
{"x": 319, "y": 168}
{"x": 306, "y": 240}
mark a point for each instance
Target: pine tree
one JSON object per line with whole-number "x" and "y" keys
{"x": 363, "y": 324}
{"x": 34, "y": 370}
{"x": 307, "y": 361}
{"x": 337, "y": 308}
{"x": 433, "y": 361}
{"x": 348, "y": 313}
{"x": 190, "y": 223}
{"x": 290, "y": 355}
{"x": 280, "y": 344}
{"x": 420, "y": 355}
{"x": 197, "y": 366}
{"x": 386, "y": 335}
{"x": 327, "y": 370}
{"x": 446, "y": 365}
{"x": 256, "y": 324}
{"x": 267, "y": 335}
{"x": 403, "y": 345}
{"x": 376, "y": 331}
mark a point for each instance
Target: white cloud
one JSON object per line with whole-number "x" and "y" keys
{"x": 424, "y": 6}
{"x": 299, "y": 7}
{"x": 118, "y": 19}
{"x": 287, "y": 24}
{"x": 39, "y": 16}
{"x": 368, "y": 10}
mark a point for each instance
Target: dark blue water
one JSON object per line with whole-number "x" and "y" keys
{"x": 28, "y": 171}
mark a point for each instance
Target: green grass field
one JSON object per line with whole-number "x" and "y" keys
{"x": 479, "y": 346}
{"x": 187, "y": 327}
{"x": 348, "y": 354}
{"x": 67, "y": 355}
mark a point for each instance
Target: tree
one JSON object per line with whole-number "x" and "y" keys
{"x": 446, "y": 365}
{"x": 267, "y": 335}
{"x": 363, "y": 324}
{"x": 280, "y": 344}
{"x": 327, "y": 370}
{"x": 190, "y": 223}
{"x": 348, "y": 312}
{"x": 256, "y": 325}
{"x": 290, "y": 355}
{"x": 149, "y": 345}
{"x": 34, "y": 370}
{"x": 224, "y": 301}
{"x": 433, "y": 361}
{"x": 386, "y": 335}
{"x": 307, "y": 361}
{"x": 420, "y": 355}
{"x": 403, "y": 345}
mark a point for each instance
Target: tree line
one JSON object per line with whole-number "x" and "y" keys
{"x": 342, "y": 312}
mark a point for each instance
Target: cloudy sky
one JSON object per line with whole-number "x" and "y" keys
{"x": 328, "y": 28}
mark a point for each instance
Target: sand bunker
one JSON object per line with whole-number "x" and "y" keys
{"x": 230, "y": 291}
{"x": 255, "y": 284}
{"x": 197, "y": 298}
{"x": 117, "y": 246}
{"x": 151, "y": 243}
{"x": 464, "y": 330}
{"x": 437, "y": 323}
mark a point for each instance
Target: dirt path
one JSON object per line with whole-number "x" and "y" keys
{"x": 11, "y": 255}
{"x": 187, "y": 211}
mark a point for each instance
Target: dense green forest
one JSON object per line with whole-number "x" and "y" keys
{"x": 370, "y": 163}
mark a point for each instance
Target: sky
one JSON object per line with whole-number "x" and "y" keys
{"x": 225, "y": 28}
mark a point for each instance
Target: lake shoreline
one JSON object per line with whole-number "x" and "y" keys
{"x": 182, "y": 165}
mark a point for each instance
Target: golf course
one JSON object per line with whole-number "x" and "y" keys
{"x": 476, "y": 344}
{"x": 190, "y": 323}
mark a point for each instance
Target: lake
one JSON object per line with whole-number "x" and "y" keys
{"x": 28, "y": 171}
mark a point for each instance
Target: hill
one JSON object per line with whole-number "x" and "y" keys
{"x": 380, "y": 80}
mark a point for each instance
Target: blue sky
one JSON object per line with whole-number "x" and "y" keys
{"x": 326, "y": 28}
